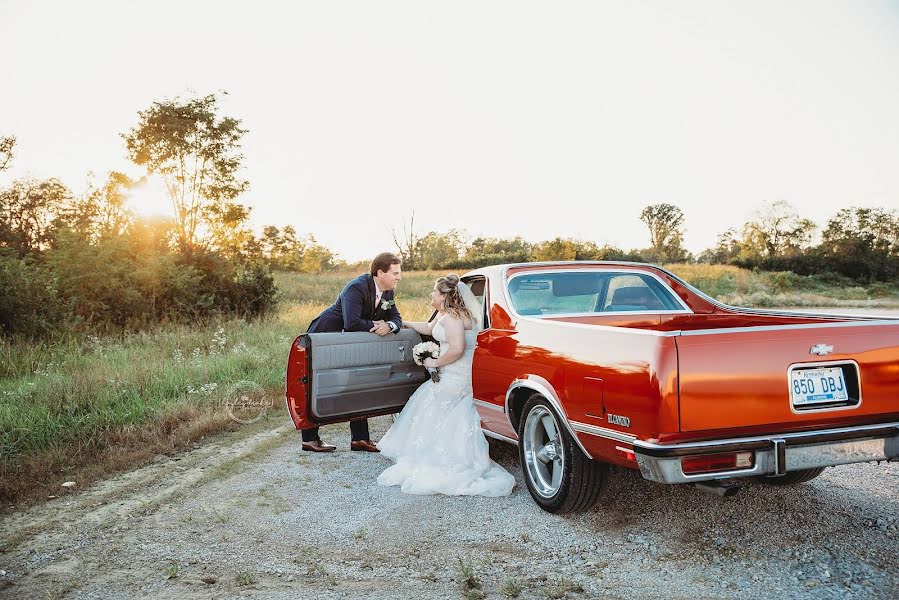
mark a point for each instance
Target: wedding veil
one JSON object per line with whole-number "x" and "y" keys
{"x": 472, "y": 304}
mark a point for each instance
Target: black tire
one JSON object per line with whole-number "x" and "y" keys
{"x": 794, "y": 477}
{"x": 582, "y": 479}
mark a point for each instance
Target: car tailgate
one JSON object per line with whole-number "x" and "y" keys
{"x": 743, "y": 377}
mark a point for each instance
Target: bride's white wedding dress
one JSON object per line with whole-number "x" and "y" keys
{"x": 437, "y": 441}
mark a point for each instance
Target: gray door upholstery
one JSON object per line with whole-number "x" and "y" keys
{"x": 359, "y": 373}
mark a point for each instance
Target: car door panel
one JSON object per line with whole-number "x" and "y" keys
{"x": 351, "y": 375}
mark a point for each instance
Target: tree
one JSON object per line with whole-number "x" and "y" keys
{"x": 100, "y": 212}
{"x": 665, "y": 222}
{"x": 516, "y": 247}
{"x": 30, "y": 304}
{"x": 557, "y": 249}
{"x": 875, "y": 229}
{"x": 28, "y": 210}
{"x": 726, "y": 249}
{"x": 195, "y": 151}
{"x": 572, "y": 249}
{"x": 407, "y": 245}
{"x": 316, "y": 258}
{"x": 228, "y": 232}
{"x": 776, "y": 230}
{"x": 6, "y": 155}
{"x": 438, "y": 250}
{"x": 862, "y": 243}
{"x": 281, "y": 248}
{"x": 99, "y": 278}
{"x": 114, "y": 217}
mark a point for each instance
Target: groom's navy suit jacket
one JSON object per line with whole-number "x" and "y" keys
{"x": 355, "y": 309}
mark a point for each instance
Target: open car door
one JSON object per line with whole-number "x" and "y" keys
{"x": 335, "y": 377}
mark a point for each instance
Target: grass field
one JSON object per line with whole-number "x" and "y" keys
{"x": 741, "y": 287}
{"x": 78, "y": 409}
{"x": 95, "y": 405}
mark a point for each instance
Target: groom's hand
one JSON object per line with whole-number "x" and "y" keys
{"x": 381, "y": 328}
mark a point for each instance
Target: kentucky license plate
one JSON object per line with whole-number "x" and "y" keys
{"x": 817, "y": 386}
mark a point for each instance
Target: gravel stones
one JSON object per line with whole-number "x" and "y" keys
{"x": 281, "y": 523}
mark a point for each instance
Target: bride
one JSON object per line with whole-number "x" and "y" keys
{"x": 436, "y": 440}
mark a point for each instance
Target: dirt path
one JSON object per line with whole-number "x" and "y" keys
{"x": 268, "y": 521}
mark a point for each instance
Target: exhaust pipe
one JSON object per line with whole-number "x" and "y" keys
{"x": 722, "y": 489}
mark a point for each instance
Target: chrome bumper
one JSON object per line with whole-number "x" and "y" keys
{"x": 775, "y": 454}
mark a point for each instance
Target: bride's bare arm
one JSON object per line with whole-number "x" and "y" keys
{"x": 420, "y": 326}
{"x": 455, "y": 339}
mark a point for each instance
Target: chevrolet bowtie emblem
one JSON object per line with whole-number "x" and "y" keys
{"x": 821, "y": 349}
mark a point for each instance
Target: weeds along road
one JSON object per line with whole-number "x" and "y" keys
{"x": 248, "y": 515}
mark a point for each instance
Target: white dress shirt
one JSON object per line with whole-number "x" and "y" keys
{"x": 378, "y": 293}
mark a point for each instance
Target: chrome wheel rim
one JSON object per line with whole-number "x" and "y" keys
{"x": 544, "y": 456}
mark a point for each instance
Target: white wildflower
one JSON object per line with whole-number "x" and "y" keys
{"x": 219, "y": 340}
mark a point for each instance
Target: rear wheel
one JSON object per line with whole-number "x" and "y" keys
{"x": 559, "y": 476}
{"x": 794, "y": 477}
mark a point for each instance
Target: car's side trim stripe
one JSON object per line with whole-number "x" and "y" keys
{"x": 602, "y": 432}
{"x": 499, "y": 436}
{"x": 489, "y": 405}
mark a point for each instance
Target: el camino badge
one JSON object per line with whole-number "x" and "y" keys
{"x": 821, "y": 349}
{"x": 619, "y": 420}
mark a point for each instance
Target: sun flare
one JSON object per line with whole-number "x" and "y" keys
{"x": 150, "y": 199}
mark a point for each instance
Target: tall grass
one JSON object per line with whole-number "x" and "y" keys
{"x": 65, "y": 403}
{"x": 742, "y": 287}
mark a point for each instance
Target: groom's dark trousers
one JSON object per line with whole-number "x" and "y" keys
{"x": 355, "y": 310}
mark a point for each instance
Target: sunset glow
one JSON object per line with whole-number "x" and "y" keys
{"x": 150, "y": 199}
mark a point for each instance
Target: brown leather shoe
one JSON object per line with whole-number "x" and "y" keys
{"x": 318, "y": 446}
{"x": 363, "y": 446}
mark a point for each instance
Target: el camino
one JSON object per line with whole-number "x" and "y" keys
{"x": 583, "y": 365}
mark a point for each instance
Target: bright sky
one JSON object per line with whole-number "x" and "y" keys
{"x": 502, "y": 118}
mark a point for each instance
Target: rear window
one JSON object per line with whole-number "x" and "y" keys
{"x": 598, "y": 292}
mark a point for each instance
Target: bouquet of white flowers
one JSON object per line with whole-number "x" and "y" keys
{"x": 427, "y": 350}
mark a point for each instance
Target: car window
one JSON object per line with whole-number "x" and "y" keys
{"x": 478, "y": 287}
{"x": 634, "y": 292}
{"x": 577, "y": 293}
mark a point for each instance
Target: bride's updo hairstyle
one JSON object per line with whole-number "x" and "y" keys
{"x": 453, "y": 303}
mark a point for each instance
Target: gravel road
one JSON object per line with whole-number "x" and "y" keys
{"x": 261, "y": 519}
{"x": 248, "y": 515}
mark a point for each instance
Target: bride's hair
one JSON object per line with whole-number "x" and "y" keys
{"x": 453, "y": 302}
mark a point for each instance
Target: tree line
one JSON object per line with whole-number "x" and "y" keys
{"x": 857, "y": 242}
{"x": 84, "y": 262}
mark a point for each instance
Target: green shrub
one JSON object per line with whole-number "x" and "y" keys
{"x": 30, "y": 304}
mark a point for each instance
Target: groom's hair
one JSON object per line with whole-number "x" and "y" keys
{"x": 383, "y": 261}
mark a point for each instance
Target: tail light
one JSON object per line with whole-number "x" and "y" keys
{"x": 713, "y": 463}
{"x": 626, "y": 453}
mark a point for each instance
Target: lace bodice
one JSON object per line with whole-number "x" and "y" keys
{"x": 460, "y": 367}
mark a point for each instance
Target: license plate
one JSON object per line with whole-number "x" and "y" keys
{"x": 818, "y": 386}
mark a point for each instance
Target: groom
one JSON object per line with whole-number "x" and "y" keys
{"x": 365, "y": 304}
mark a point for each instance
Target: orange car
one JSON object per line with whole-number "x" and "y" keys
{"x": 586, "y": 364}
